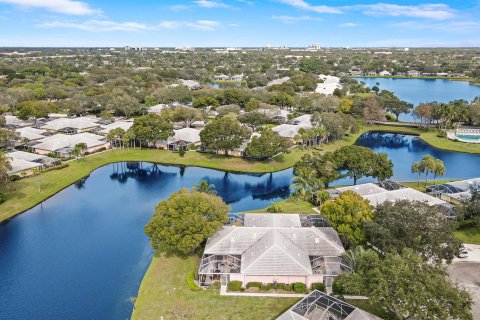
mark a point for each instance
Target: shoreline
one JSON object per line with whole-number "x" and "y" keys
{"x": 25, "y": 194}
{"x": 472, "y": 81}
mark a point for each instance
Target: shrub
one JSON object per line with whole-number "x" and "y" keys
{"x": 254, "y": 285}
{"x": 274, "y": 208}
{"x": 60, "y": 166}
{"x": 281, "y": 286}
{"x": 299, "y": 287}
{"x": 235, "y": 286}
{"x": 2, "y": 198}
{"x": 181, "y": 151}
{"x": 15, "y": 177}
{"x": 318, "y": 286}
{"x": 266, "y": 287}
{"x": 441, "y": 134}
{"x": 288, "y": 287}
{"x": 337, "y": 288}
{"x": 191, "y": 283}
{"x": 216, "y": 285}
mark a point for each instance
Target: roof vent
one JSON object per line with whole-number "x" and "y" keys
{"x": 317, "y": 240}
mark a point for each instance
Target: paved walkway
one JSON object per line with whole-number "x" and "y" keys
{"x": 223, "y": 292}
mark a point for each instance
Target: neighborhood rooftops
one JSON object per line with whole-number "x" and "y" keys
{"x": 125, "y": 125}
{"x": 80, "y": 123}
{"x": 59, "y": 141}
{"x": 30, "y": 133}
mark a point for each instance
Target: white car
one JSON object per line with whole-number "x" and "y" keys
{"x": 463, "y": 253}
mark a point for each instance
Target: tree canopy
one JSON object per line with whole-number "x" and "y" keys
{"x": 348, "y": 215}
{"x": 269, "y": 144}
{"x": 403, "y": 284}
{"x": 223, "y": 134}
{"x": 415, "y": 225}
{"x": 185, "y": 220}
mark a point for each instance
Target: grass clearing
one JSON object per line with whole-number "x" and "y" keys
{"x": 469, "y": 235}
{"x": 164, "y": 292}
{"x": 290, "y": 206}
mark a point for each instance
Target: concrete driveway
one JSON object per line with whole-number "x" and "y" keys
{"x": 466, "y": 272}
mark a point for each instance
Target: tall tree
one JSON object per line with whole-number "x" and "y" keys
{"x": 408, "y": 287}
{"x": 269, "y": 144}
{"x": 415, "y": 225}
{"x": 151, "y": 128}
{"x": 223, "y": 134}
{"x": 348, "y": 214}
{"x": 185, "y": 220}
{"x": 438, "y": 169}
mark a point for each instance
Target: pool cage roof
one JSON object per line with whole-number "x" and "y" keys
{"x": 390, "y": 185}
{"x": 320, "y": 306}
{"x": 454, "y": 187}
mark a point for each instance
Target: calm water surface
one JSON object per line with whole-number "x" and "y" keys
{"x": 416, "y": 91}
{"x": 82, "y": 253}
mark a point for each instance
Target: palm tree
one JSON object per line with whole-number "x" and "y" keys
{"x": 303, "y": 182}
{"x": 418, "y": 169}
{"x": 350, "y": 257}
{"x": 428, "y": 166}
{"x": 438, "y": 169}
{"x": 78, "y": 149}
{"x": 205, "y": 187}
{"x": 5, "y": 167}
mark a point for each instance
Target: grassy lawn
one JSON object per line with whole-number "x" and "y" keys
{"x": 470, "y": 235}
{"x": 164, "y": 292}
{"x": 289, "y": 206}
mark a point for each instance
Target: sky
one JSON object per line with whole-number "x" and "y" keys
{"x": 239, "y": 23}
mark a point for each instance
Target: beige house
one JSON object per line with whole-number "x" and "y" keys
{"x": 272, "y": 247}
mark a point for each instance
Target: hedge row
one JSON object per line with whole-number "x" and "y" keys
{"x": 235, "y": 286}
{"x": 191, "y": 282}
{"x": 318, "y": 286}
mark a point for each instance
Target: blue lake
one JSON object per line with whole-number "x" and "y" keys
{"x": 416, "y": 91}
{"x": 82, "y": 253}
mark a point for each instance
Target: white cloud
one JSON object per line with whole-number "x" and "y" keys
{"x": 347, "y": 25}
{"x": 292, "y": 19}
{"x": 106, "y": 25}
{"x": 211, "y": 4}
{"x": 300, "y": 4}
{"x": 205, "y": 25}
{"x": 179, "y": 7}
{"x": 98, "y": 25}
{"x": 451, "y": 26}
{"x": 60, "y": 6}
{"x": 437, "y": 11}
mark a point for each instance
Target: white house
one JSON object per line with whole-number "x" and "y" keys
{"x": 71, "y": 125}
{"x": 125, "y": 125}
{"x": 385, "y": 73}
{"x": 63, "y": 144}
{"x": 272, "y": 247}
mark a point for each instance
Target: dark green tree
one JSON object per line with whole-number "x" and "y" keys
{"x": 185, "y": 220}
{"x": 223, "y": 134}
{"x": 269, "y": 144}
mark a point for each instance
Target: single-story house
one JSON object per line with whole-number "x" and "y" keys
{"x": 321, "y": 306}
{"x": 385, "y": 73}
{"x": 63, "y": 144}
{"x": 190, "y": 84}
{"x": 392, "y": 191}
{"x": 157, "y": 108}
{"x": 24, "y": 163}
{"x": 414, "y": 73}
{"x": 181, "y": 138}
{"x": 221, "y": 77}
{"x": 125, "y": 125}
{"x": 272, "y": 247}
{"x": 457, "y": 192}
{"x": 14, "y": 122}
{"x": 290, "y": 130}
{"x": 29, "y": 133}
{"x": 71, "y": 125}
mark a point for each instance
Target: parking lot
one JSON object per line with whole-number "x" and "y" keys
{"x": 466, "y": 272}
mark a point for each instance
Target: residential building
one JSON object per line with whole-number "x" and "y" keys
{"x": 414, "y": 73}
{"x": 29, "y": 133}
{"x": 125, "y": 125}
{"x": 190, "y": 84}
{"x": 25, "y": 163}
{"x": 384, "y": 73}
{"x": 272, "y": 247}
{"x": 321, "y": 306}
{"x": 71, "y": 125}
{"x": 63, "y": 144}
{"x": 457, "y": 192}
{"x": 157, "y": 108}
{"x": 181, "y": 138}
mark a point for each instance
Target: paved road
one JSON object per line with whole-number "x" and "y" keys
{"x": 466, "y": 272}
